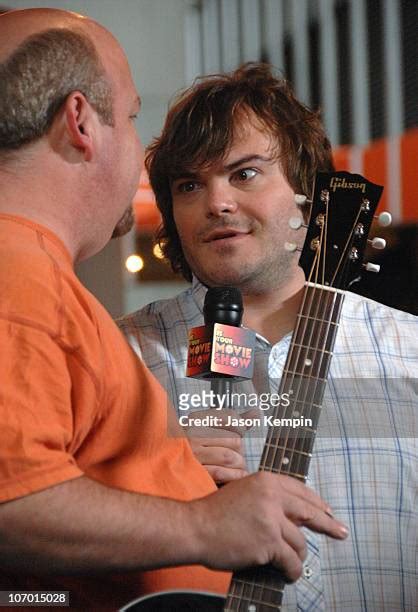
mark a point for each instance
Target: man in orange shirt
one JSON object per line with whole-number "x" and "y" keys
{"x": 82, "y": 492}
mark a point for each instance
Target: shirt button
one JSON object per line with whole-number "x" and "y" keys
{"x": 307, "y": 572}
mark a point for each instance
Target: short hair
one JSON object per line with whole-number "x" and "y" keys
{"x": 199, "y": 130}
{"x": 37, "y": 78}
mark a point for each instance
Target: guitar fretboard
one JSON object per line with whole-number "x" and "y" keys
{"x": 288, "y": 450}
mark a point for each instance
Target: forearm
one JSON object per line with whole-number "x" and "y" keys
{"x": 81, "y": 526}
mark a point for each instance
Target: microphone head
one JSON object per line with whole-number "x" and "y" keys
{"x": 223, "y": 305}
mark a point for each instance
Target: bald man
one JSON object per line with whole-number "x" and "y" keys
{"x": 96, "y": 481}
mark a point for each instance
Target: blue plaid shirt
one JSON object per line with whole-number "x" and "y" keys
{"x": 365, "y": 459}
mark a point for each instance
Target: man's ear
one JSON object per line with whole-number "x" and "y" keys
{"x": 79, "y": 123}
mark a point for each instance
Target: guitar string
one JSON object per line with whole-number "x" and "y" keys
{"x": 289, "y": 375}
{"x": 331, "y": 307}
{"x": 349, "y": 240}
{"x": 270, "y": 434}
{"x": 304, "y": 344}
{"x": 298, "y": 371}
{"x": 308, "y": 345}
{"x": 334, "y": 309}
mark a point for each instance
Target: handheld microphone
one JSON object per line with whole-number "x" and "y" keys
{"x": 221, "y": 350}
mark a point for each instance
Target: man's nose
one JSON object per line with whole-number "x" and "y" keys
{"x": 220, "y": 200}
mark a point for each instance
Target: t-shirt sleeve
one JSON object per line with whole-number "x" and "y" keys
{"x": 36, "y": 419}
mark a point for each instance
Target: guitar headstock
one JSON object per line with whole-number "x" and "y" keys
{"x": 342, "y": 210}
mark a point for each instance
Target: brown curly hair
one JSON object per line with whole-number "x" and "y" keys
{"x": 199, "y": 130}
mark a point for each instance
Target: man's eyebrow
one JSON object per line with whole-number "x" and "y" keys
{"x": 190, "y": 174}
{"x": 139, "y": 102}
{"x": 187, "y": 174}
{"x": 245, "y": 160}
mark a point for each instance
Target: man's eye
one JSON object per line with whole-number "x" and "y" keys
{"x": 246, "y": 174}
{"x": 186, "y": 187}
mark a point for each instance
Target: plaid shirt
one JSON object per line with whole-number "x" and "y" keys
{"x": 365, "y": 459}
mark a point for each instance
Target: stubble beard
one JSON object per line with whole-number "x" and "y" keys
{"x": 125, "y": 223}
{"x": 251, "y": 280}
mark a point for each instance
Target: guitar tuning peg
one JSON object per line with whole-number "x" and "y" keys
{"x": 301, "y": 200}
{"x": 371, "y": 267}
{"x": 292, "y": 247}
{"x": 384, "y": 219}
{"x": 296, "y": 223}
{"x": 377, "y": 243}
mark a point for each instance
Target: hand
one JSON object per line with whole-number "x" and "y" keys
{"x": 219, "y": 449}
{"x": 257, "y": 520}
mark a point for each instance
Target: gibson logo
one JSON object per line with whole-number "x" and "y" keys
{"x": 341, "y": 183}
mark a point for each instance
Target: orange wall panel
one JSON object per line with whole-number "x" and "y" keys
{"x": 409, "y": 165}
{"x": 375, "y": 167}
{"x": 341, "y": 157}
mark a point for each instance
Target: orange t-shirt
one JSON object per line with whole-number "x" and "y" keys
{"x": 74, "y": 400}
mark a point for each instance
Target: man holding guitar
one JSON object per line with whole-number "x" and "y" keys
{"x": 237, "y": 158}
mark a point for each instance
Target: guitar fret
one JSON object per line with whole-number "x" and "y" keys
{"x": 299, "y": 452}
{"x": 327, "y": 288}
{"x": 315, "y": 349}
{"x": 294, "y": 474}
{"x": 271, "y": 588}
{"x": 301, "y": 446}
{"x": 301, "y": 375}
{"x": 310, "y": 361}
{"x": 277, "y": 431}
{"x": 286, "y": 459}
{"x": 258, "y": 585}
{"x": 295, "y": 400}
{"x": 301, "y": 316}
{"x": 304, "y": 388}
{"x": 273, "y": 606}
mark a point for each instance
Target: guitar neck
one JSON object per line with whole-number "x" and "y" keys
{"x": 288, "y": 450}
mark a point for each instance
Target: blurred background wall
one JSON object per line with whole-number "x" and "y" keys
{"x": 353, "y": 59}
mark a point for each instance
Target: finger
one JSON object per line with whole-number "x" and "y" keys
{"x": 288, "y": 562}
{"x": 304, "y": 493}
{"x": 233, "y": 442}
{"x": 295, "y": 538}
{"x": 220, "y": 456}
{"x": 308, "y": 515}
{"x": 223, "y": 475}
{"x": 229, "y": 420}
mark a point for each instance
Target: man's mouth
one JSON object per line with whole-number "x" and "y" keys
{"x": 224, "y": 234}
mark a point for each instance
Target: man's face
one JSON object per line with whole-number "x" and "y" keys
{"x": 232, "y": 217}
{"x": 123, "y": 151}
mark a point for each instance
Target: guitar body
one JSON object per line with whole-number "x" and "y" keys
{"x": 174, "y": 601}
